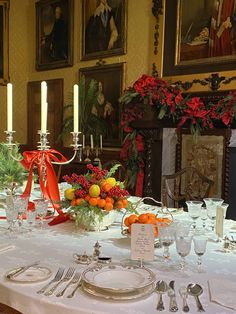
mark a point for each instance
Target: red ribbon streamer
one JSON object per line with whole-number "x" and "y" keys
{"x": 50, "y": 187}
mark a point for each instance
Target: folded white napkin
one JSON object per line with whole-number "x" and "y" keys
{"x": 223, "y": 292}
{"x": 6, "y": 246}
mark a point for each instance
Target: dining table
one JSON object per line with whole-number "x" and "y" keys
{"x": 55, "y": 246}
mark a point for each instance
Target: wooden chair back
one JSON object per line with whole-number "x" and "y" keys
{"x": 187, "y": 184}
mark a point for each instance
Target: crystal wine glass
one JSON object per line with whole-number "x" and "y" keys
{"x": 194, "y": 210}
{"x": 203, "y": 215}
{"x": 211, "y": 205}
{"x": 183, "y": 247}
{"x": 200, "y": 243}
{"x": 166, "y": 234}
{"x": 21, "y": 204}
{"x": 41, "y": 207}
{"x": 11, "y": 213}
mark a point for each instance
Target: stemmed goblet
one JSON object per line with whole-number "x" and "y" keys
{"x": 21, "y": 204}
{"x": 200, "y": 243}
{"x": 203, "y": 216}
{"x": 211, "y": 205}
{"x": 194, "y": 210}
{"x": 183, "y": 247}
{"x": 11, "y": 213}
{"x": 166, "y": 234}
{"x": 41, "y": 208}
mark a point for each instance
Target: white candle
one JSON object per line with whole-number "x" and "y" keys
{"x": 100, "y": 141}
{"x": 83, "y": 140}
{"x": 9, "y": 107}
{"x": 44, "y": 107}
{"x": 91, "y": 140}
{"x": 76, "y": 108}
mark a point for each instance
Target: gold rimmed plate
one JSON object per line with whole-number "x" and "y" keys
{"x": 31, "y": 275}
{"x": 118, "y": 278}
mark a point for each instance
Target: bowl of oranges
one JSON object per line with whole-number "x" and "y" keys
{"x": 146, "y": 215}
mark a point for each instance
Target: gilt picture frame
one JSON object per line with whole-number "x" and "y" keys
{"x": 199, "y": 32}
{"x": 54, "y": 34}
{"x": 4, "y": 41}
{"x": 102, "y": 115}
{"x": 103, "y": 31}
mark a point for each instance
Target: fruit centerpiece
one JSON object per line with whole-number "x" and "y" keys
{"x": 95, "y": 195}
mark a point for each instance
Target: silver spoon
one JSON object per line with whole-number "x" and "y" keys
{"x": 184, "y": 294}
{"x": 161, "y": 288}
{"x": 195, "y": 290}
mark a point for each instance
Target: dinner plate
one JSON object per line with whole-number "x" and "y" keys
{"x": 31, "y": 275}
{"x": 118, "y": 278}
{"x": 109, "y": 295}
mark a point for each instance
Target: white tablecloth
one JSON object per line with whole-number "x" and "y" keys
{"x": 54, "y": 247}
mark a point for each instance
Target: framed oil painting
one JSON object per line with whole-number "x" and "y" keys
{"x": 209, "y": 154}
{"x": 4, "y": 41}
{"x": 54, "y": 34}
{"x": 204, "y": 36}
{"x": 101, "y": 114}
{"x": 104, "y": 28}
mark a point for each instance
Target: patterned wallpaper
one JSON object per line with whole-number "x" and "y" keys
{"x": 22, "y": 55}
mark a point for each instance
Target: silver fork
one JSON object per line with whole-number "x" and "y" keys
{"x": 74, "y": 280}
{"x": 57, "y": 277}
{"x": 66, "y": 278}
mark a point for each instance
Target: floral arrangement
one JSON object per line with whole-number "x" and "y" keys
{"x": 168, "y": 101}
{"x": 94, "y": 195}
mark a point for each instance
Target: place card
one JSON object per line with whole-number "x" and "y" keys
{"x": 142, "y": 242}
{"x": 220, "y": 213}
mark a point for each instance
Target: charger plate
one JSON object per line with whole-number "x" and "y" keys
{"x": 118, "y": 278}
{"x": 108, "y": 295}
{"x": 31, "y": 275}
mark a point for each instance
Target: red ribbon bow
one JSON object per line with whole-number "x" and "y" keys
{"x": 50, "y": 187}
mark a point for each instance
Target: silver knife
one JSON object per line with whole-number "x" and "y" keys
{"x": 171, "y": 293}
{"x": 20, "y": 270}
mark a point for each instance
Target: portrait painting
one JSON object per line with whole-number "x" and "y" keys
{"x": 102, "y": 113}
{"x": 104, "y": 28}
{"x": 205, "y": 37}
{"x": 54, "y": 34}
{"x": 4, "y": 41}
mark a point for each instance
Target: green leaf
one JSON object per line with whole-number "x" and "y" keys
{"x": 112, "y": 170}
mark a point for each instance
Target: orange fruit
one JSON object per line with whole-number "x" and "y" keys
{"x": 93, "y": 201}
{"x": 143, "y": 218}
{"x": 133, "y": 219}
{"x": 107, "y": 187}
{"x": 125, "y": 202}
{"x": 119, "y": 204}
{"x": 108, "y": 206}
{"x": 87, "y": 198}
{"x": 151, "y": 221}
{"x": 73, "y": 202}
{"x": 126, "y": 222}
{"x": 109, "y": 200}
{"x": 101, "y": 203}
{"x": 152, "y": 215}
{"x": 78, "y": 201}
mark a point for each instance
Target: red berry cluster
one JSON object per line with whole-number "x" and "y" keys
{"x": 98, "y": 173}
{"x": 117, "y": 192}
